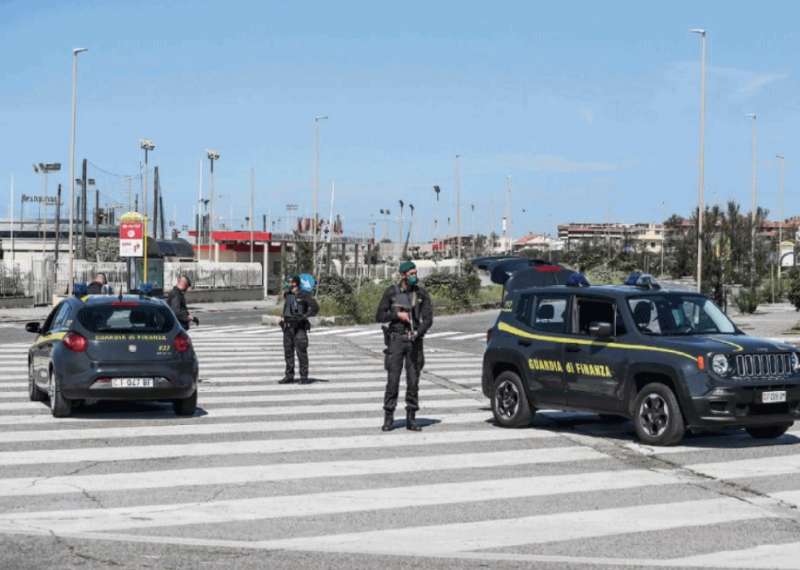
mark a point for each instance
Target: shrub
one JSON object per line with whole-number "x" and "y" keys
{"x": 458, "y": 290}
{"x": 793, "y": 291}
{"x": 747, "y": 301}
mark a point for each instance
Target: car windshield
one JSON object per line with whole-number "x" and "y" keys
{"x": 679, "y": 314}
{"x": 126, "y": 317}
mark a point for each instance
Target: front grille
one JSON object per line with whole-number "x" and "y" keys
{"x": 763, "y": 365}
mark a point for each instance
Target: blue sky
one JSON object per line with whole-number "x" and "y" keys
{"x": 590, "y": 107}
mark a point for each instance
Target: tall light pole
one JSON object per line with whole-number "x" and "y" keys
{"x": 44, "y": 168}
{"x": 75, "y": 53}
{"x": 781, "y": 158}
{"x": 508, "y": 215}
{"x": 212, "y": 156}
{"x": 315, "y": 199}
{"x": 753, "y": 206}
{"x": 458, "y": 209}
{"x": 400, "y": 228}
{"x": 701, "y": 175}
{"x": 146, "y": 145}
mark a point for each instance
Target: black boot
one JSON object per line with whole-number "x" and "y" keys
{"x": 286, "y": 380}
{"x": 411, "y": 422}
{"x": 388, "y": 421}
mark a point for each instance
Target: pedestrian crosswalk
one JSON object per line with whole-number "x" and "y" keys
{"x": 305, "y": 468}
{"x": 355, "y": 333}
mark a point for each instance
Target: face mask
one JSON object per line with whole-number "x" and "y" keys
{"x": 412, "y": 280}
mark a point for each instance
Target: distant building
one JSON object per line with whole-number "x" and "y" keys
{"x": 634, "y": 237}
{"x": 537, "y": 242}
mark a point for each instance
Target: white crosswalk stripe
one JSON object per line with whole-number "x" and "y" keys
{"x": 314, "y": 455}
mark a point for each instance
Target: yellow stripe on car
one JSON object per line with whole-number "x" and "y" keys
{"x": 738, "y": 347}
{"x": 583, "y": 342}
{"x": 49, "y": 337}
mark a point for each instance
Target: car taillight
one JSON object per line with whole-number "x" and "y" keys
{"x": 75, "y": 342}
{"x": 182, "y": 343}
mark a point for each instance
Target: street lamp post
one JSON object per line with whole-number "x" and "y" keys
{"x": 701, "y": 174}
{"x": 753, "y": 206}
{"x": 781, "y": 158}
{"x": 44, "y": 168}
{"x": 212, "y": 157}
{"x": 146, "y": 145}
{"x": 317, "y": 119}
{"x": 458, "y": 210}
{"x": 508, "y": 216}
{"x": 75, "y": 53}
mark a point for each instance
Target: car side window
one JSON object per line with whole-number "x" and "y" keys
{"x": 551, "y": 314}
{"x": 522, "y": 311}
{"x": 48, "y": 322}
{"x": 645, "y": 315}
{"x": 594, "y": 311}
{"x": 62, "y": 317}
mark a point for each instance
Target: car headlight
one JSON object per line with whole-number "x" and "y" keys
{"x": 795, "y": 362}
{"x": 720, "y": 364}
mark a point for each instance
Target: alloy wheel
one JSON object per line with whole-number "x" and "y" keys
{"x": 654, "y": 415}
{"x": 508, "y": 398}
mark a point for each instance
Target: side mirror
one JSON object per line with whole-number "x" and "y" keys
{"x": 32, "y": 327}
{"x": 600, "y": 330}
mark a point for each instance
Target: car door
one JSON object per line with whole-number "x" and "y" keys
{"x": 594, "y": 368}
{"x": 546, "y": 318}
{"x": 43, "y": 346}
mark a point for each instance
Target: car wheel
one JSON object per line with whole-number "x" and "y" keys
{"x": 509, "y": 402}
{"x": 186, "y": 406}
{"x": 768, "y": 432}
{"x": 35, "y": 393}
{"x": 657, "y": 416}
{"x": 60, "y": 406}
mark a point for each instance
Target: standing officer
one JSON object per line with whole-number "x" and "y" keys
{"x": 407, "y": 309}
{"x": 298, "y": 306}
{"x": 99, "y": 286}
{"x": 177, "y": 301}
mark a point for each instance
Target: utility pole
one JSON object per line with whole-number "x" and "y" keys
{"x": 156, "y": 203}
{"x": 780, "y": 158}
{"x": 12, "y": 222}
{"x": 701, "y": 175}
{"x": 75, "y": 53}
{"x": 146, "y": 145}
{"x": 252, "y": 198}
{"x": 84, "y": 183}
{"x": 458, "y": 210}
{"x": 315, "y": 219}
{"x": 212, "y": 156}
{"x": 58, "y": 226}
{"x": 753, "y": 211}
{"x": 400, "y": 229}
{"x": 508, "y": 215}
{"x": 96, "y": 221}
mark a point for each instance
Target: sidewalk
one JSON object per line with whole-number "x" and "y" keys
{"x": 770, "y": 320}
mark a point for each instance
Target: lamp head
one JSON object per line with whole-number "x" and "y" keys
{"x": 146, "y": 144}
{"x": 76, "y": 51}
{"x": 699, "y": 31}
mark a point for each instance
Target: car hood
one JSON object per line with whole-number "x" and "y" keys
{"x": 726, "y": 344}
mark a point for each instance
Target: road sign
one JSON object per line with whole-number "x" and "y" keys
{"x": 131, "y": 235}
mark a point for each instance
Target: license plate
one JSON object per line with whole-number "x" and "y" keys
{"x": 132, "y": 382}
{"x": 773, "y": 397}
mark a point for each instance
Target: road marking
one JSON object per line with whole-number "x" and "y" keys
{"x": 319, "y": 504}
{"x": 780, "y": 556}
{"x": 239, "y": 474}
{"x": 468, "y": 336}
{"x": 175, "y": 430}
{"x": 165, "y": 412}
{"x": 362, "y": 333}
{"x": 400, "y": 438}
{"x": 537, "y": 529}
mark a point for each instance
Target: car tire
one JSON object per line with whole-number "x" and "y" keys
{"x": 657, "y": 415}
{"x": 510, "y": 403}
{"x": 60, "y": 406}
{"x": 35, "y": 393}
{"x": 186, "y": 406}
{"x": 768, "y": 432}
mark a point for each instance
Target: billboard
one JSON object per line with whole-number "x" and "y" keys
{"x": 131, "y": 235}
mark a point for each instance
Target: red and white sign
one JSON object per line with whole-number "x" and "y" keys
{"x": 131, "y": 235}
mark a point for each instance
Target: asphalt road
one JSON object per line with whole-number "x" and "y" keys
{"x": 267, "y": 475}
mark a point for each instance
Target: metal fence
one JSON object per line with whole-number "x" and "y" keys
{"x": 14, "y": 280}
{"x": 211, "y": 275}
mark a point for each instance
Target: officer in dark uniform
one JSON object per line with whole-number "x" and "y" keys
{"x": 99, "y": 286}
{"x": 298, "y": 306}
{"x": 177, "y": 301}
{"x": 407, "y": 312}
